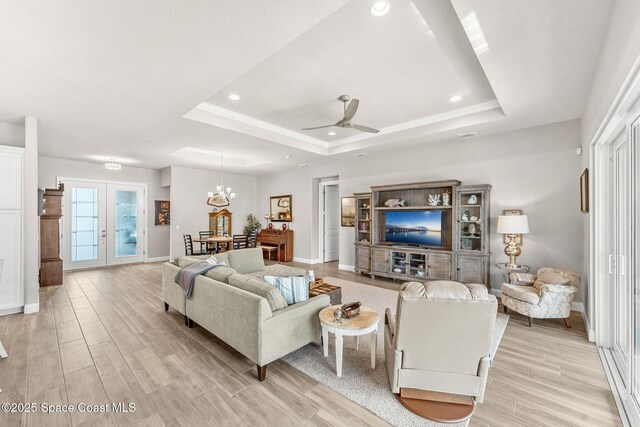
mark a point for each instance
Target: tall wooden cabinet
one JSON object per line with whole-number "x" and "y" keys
{"x": 471, "y": 233}
{"x": 364, "y": 219}
{"x": 50, "y": 260}
{"x": 11, "y": 230}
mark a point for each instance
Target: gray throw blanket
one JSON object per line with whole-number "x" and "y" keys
{"x": 186, "y": 277}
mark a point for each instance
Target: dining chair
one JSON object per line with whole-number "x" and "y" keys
{"x": 208, "y": 247}
{"x": 252, "y": 239}
{"x": 240, "y": 241}
{"x": 188, "y": 246}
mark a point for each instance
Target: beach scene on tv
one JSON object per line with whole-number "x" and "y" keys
{"x": 414, "y": 227}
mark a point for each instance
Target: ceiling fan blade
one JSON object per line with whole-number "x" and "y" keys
{"x": 351, "y": 109}
{"x": 319, "y": 127}
{"x": 365, "y": 128}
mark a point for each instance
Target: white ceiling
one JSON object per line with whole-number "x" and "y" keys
{"x": 142, "y": 81}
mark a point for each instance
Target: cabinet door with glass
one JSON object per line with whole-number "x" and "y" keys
{"x": 399, "y": 262}
{"x": 364, "y": 217}
{"x": 472, "y": 219}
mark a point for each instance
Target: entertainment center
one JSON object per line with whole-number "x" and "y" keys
{"x": 435, "y": 230}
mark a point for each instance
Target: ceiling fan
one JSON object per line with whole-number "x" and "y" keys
{"x": 349, "y": 112}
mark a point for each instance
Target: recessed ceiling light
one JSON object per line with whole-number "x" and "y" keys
{"x": 455, "y": 98}
{"x": 331, "y": 133}
{"x": 360, "y": 154}
{"x": 379, "y": 8}
{"x": 303, "y": 165}
{"x": 286, "y": 156}
{"x": 234, "y": 97}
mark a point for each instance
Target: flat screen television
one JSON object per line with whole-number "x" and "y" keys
{"x": 423, "y": 228}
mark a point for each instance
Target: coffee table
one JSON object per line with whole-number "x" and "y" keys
{"x": 364, "y": 323}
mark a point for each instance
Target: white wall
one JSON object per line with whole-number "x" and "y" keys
{"x": 534, "y": 169}
{"x": 620, "y": 50}
{"x": 12, "y": 134}
{"x": 50, "y": 168}
{"x": 189, "y": 209}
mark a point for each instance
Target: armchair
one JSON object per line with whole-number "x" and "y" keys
{"x": 546, "y": 295}
{"x": 439, "y": 340}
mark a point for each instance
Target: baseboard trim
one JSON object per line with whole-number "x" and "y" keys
{"x": 346, "y": 267}
{"x": 157, "y": 259}
{"x": 307, "y": 260}
{"x": 32, "y": 308}
{"x": 8, "y": 311}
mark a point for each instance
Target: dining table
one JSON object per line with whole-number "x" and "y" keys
{"x": 214, "y": 241}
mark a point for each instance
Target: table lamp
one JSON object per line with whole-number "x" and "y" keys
{"x": 512, "y": 225}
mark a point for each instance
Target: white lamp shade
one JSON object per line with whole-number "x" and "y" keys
{"x": 513, "y": 224}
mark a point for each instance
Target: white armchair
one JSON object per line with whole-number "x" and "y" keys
{"x": 439, "y": 340}
{"x": 547, "y": 295}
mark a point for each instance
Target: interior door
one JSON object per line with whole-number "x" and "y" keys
{"x": 618, "y": 260}
{"x": 84, "y": 225}
{"x": 125, "y": 224}
{"x": 331, "y": 223}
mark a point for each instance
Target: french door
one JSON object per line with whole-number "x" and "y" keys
{"x": 621, "y": 342}
{"x": 620, "y": 256}
{"x": 103, "y": 224}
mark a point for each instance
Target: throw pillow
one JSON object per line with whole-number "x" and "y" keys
{"x": 272, "y": 295}
{"x": 550, "y": 277}
{"x": 294, "y": 289}
{"x": 184, "y": 261}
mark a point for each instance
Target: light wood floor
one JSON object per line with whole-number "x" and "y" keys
{"x": 103, "y": 337}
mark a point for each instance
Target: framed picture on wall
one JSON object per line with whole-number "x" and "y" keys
{"x": 163, "y": 212}
{"x": 584, "y": 191}
{"x": 518, "y": 236}
{"x": 348, "y": 212}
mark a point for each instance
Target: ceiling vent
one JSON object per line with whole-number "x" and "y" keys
{"x": 467, "y": 135}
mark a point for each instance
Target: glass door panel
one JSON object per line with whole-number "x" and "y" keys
{"x": 126, "y": 223}
{"x": 84, "y": 230}
{"x": 125, "y": 212}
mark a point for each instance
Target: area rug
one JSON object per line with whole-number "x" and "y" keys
{"x": 366, "y": 387}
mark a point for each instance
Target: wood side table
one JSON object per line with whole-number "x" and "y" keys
{"x": 365, "y": 323}
{"x": 334, "y": 292}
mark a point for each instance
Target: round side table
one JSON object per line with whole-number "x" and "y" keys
{"x": 364, "y": 323}
{"x": 506, "y": 270}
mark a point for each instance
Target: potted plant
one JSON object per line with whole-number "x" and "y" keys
{"x": 253, "y": 225}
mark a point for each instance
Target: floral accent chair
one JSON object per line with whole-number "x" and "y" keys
{"x": 547, "y": 295}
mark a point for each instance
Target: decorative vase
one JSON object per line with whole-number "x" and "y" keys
{"x": 472, "y": 229}
{"x": 284, "y": 227}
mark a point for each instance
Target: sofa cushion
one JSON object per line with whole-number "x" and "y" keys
{"x": 221, "y": 274}
{"x": 271, "y": 294}
{"x": 294, "y": 289}
{"x": 246, "y": 260}
{"x": 528, "y": 294}
{"x": 284, "y": 270}
{"x": 450, "y": 290}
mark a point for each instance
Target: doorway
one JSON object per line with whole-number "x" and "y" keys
{"x": 103, "y": 223}
{"x": 329, "y": 221}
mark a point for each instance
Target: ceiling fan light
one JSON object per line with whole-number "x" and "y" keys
{"x": 113, "y": 166}
{"x": 379, "y": 8}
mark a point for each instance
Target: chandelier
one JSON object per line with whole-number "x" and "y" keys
{"x": 223, "y": 196}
